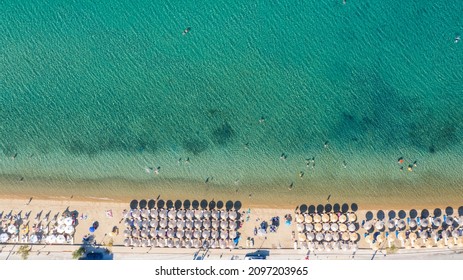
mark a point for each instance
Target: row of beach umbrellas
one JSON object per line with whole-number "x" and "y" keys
{"x": 326, "y": 217}
{"x": 188, "y": 234}
{"x": 179, "y": 243}
{"x": 328, "y": 236}
{"x": 180, "y": 214}
{"x": 50, "y": 239}
{"x": 182, "y": 224}
{"x": 328, "y": 246}
{"x": 301, "y": 227}
{"x": 412, "y": 223}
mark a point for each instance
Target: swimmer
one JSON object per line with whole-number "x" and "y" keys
{"x": 344, "y": 164}
{"x": 457, "y": 39}
{"x": 410, "y": 168}
{"x": 187, "y": 161}
{"x": 400, "y": 160}
{"x": 149, "y": 169}
{"x": 246, "y": 146}
{"x": 262, "y": 120}
{"x": 301, "y": 174}
{"x": 344, "y": 2}
{"x": 186, "y": 30}
{"x": 179, "y": 160}
{"x": 414, "y": 163}
{"x": 14, "y": 156}
{"x": 401, "y": 168}
{"x": 283, "y": 156}
{"x": 291, "y": 186}
{"x": 156, "y": 171}
{"x": 326, "y": 144}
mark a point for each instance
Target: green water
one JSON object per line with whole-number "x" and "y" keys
{"x": 102, "y": 90}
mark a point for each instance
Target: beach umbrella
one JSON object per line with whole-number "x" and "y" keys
{"x": 197, "y": 234}
{"x": 345, "y": 236}
{"x": 51, "y": 239}
{"x": 301, "y": 236}
{"x": 153, "y": 233}
{"x": 128, "y": 222}
{"x": 460, "y": 221}
{"x": 336, "y": 236}
{"x": 423, "y": 234}
{"x": 380, "y": 238}
{"x": 198, "y": 214}
{"x": 401, "y": 224}
{"x": 417, "y": 244}
{"x": 145, "y": 213}
{"x": 163, "y": 223}
{"x": 328, "y": 237}
{"x": 231, "y": 244}
{"x": 180, "y": 233}
{"x": 391, "y": 237}
{"x": 223, "y": 234}
{"x": 180, "y": 224}
{"x": 188, "y": 234}
{"x": 223, "y": 215}
{"x": 136, "y": 213}
{"x": 125, "y": 214}
{"x": 334, "y": 218}
{"x": 136, "y": 242}
{"x": 424, "y": 223}
{"x": 440, "y": 244}
{"x": 299, "y": 218}
{"x": 232, "y": 234}
{"x": 391, "y": 224}
{"x": 163, "y": 213}
{"x": 317, "y": 218}
{"x": 207, "y": 224}
{"x": 215, "y": 224}
{"x": 68, "y": 221}
{"x": 189, "y": 224}
{"x": 310, "y": 236}
{"x": 445, "y": 234}
{"x": 300, "y": 227}
{"x": 177, "y": 243}
{"x": 318, "y": 227}
{"x": 342, "y": 218}
{"x": 367, "y": 226}
{"x": 170, "y": 233}
{"x": 344, "y": 246}
{"x": 198, "y": 224}
{"x": 161, "y": 242}
{"x": 60, "y": 239}
{"x": 145, "y": 223}
{"x": 4, "y": 237}
{"x": 334, "y": 227}
{"x": 206, "y": 234}
{"x": 342, "y": 227}
{"x": 69, "y": 229}
{"x": 127, "y": 242}
{"x": 379, "y": 225}
{"x": 352, "y": 227}
{"x": 154, "y": 213}
{"x": 222, "y": 244}
{"x": 146, "y": 243}
{"x": 311, "y": 246}
{"x": 325, "y": 218}
{"x": 449, "y": 221}
{"x": 353, "y": 236}
{"x": 188, "y": 244}
{"x": 215, "y": 234}
{"x": 181, "y": 214}
{"x": 412, "y": 223}
{"x": 429, "y": 243}
{"x": 215, "y": 214}
{"x": 170, "y": 243}
{"x": 308, "y": 218}
{"x": 233, "y": 225}
{"x": 352, "y": 217}
{"x": 12, "y": 229}
{"x": 232, "y": 215}
{"x": 162, "y": 233}
{"x": 207, "y": 214}
{"x": 308, "y": 227}
{"x": 437, "y": 222}
{"x": 172, "y": 223}
{"x": 401, "y": 236}
{"x": 172, "y": 214}
{"x": 61, "y": 228}
{"x": 412, "y": 236}
{"x": 153, "y": 223}
{"x": 135, "y": 233}
{"x": 319, "y": 236}
{"x": 375, "y": 246}
{"x": 368, "y": 238}
{"x": 224, "y": 224}
{"x": 138, "y": 223}
{"x": 326, "y": 226}
{"x": 455, "y": 233}
{"x": 213, "y": 244}
{"x": 196, "y": 243}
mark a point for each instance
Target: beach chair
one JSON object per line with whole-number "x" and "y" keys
{"x": 418, "y": 221}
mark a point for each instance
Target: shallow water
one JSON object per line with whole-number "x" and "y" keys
{"x": 104, "y": 90}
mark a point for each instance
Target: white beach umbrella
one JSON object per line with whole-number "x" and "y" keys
{"x": 232, "y": 215}
{"x": 344, "y": 246}
{"x": 145, "y": 224}
{"x": 335, "y": 236}
{"x": 127, "y": 222}
{"x": 412, "y": 236}
{"x": 424, "y": 223}
{"x": 206, "y": 234}
{"x": 154, "y": 223}
{"x": 163, "y": 223}
{"x": 401, "y": 224}
{"x": 231, "y": 245}
{"x": 326, "y": 226}
{"x": 437, "y": 221}
{"x": 136, "y": 213}
{"x": 455, "y": 233}
{"x": 135, "y": 233}
{"x": 198, "y": 214}
{"x": 215, "y": 214}
{"x": 328, "y": 237}
{"x": 318, "y": 227}
{"x": 60, "y": 239}
{"x": 224, "y": 224}
{"x": 449, "y": 221}
{"x": 352, "y": 227}
{"x": 61, "y": 228}
{"x": 213, "y": 244}
{"x": 310, "y": 236}
{"x": 232, "y": 234}
{"x": 368, "y": 238}
{"x": 4, "y": 237}
{"x": 145, "y": 213}
{"x": 172, "y": 214}
{"x": 445, "y": 233}
{"x": 138, "y": 223}
{"x": 207, "y": 224}
{"x": 170, "y": 233}
{"x": 178, "y": 243}
{"x": 334, "y": 227}
{"x": 188, "y": 244}
{"x": 153, "y": 233}
{"x": 423, "y": 234}
{"x": 154, "y": 213}
{"x": 299, "y": 218}
{"x": 308, "y": 219}
{"x": 390, "y": 224}
{"x": 352, "y": 217}
{"x": 309, "y": 227}
{"x": 188, "y": 234}
{"x": 189, "y": 214}
{"x": 127, "y": 242}
{"x": 197, "y": 234}
{"x": 162, "y": 233}
{"x": 162, "y": 242}
{"x": 12, "y": 229}
{"x": 319, "y": 236}
{"x": 198, "y": 224}
{"x": 300, "y": 227}
{"x": 163, "y": 213}
{"x": 223, "y": 234}
{"x": 215, "y": 234}
{"x": 180, "y": 224}
{"x": 68, "y": 221}
{"x": 460, "y": 221}
{"x": 69, "y": 229}
{"x": 222, "y": 244}
{"x": 196, "y": 243}
{"x": 207, "y": 214}
{"x": 223, "y": 215}
{"x": 51, "y": 239}
{"x": 172, "y": 223}
{"x": 170, "y": 243}
{"x": 146, "y": 243}
{"x": 401, "y": 236}
{"x": 180, "y": 233}
{"x": 181, "y": 214}
{"x": 379, "y": 225}
{"x": 412, "y": 223}
{"x": 367, "y": 226}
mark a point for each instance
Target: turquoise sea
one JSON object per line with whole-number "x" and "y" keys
{"x": 106, "y": 89}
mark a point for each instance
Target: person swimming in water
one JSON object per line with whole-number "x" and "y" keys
{"x": 186, "y": 30}
{"x": 457, "y": 39}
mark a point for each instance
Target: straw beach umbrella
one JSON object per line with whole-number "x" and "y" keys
{"x": 412, "y": 236}
{"x": 380, "y": 238}
{"x": 300, "y": 218}
{"x": 325, "y": 218}
{"x": 318, "y": 227}
{"x": 368, "y": 238}
{"x": 342, "y": 218}
{"x": 353, "y": 236}
{"x": 342, "y": 227}
{"x": 352, "y": 217}
{"x": 429, "y": 243}
{"x": 317, "y": 218}
{"x": 334, "y": 218}
{"x": 308, "y": 219}
{"x": 300, "y": 227}
{"x": 335, "y": 236}
{"x": 345, "y": 236}
{"x": 301, "y": 236}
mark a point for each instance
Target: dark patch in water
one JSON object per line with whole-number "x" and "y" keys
{"x": 223, "y": 134}
{"x": 194, "y": 146}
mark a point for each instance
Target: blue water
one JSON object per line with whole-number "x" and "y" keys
{"x": 106, "y": 89}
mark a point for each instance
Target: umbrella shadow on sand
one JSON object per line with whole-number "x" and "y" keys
{"x": 449, "y": 211}
{"x": 142, "y": 204}
{"x": 391, "y": 214}
{"x": 460, "y": 211}
{"x": 151, "y": 204}
{"x": 134, "y": 204}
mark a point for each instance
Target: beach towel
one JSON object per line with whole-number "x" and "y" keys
{"x": 109, "y": 213}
